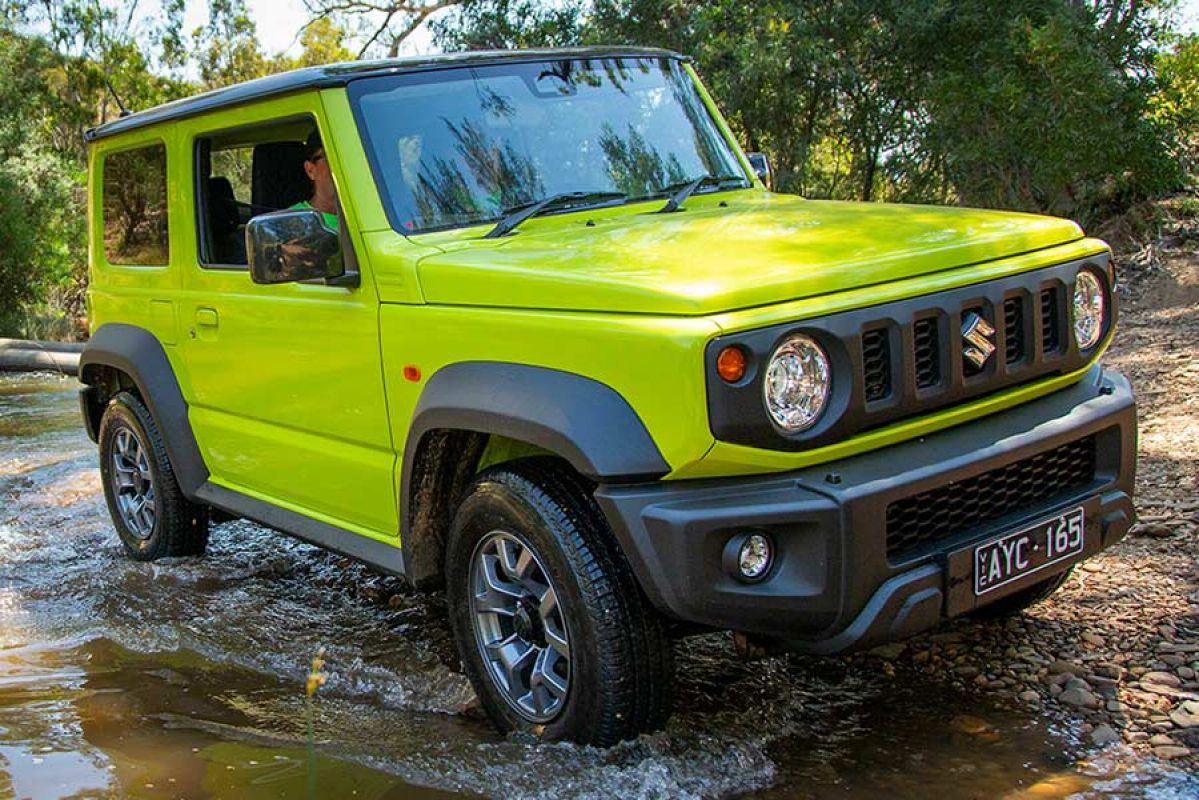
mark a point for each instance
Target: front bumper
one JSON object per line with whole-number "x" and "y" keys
{"x": 834, "y": 586}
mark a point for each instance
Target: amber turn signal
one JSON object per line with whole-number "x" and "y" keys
{"x": 730, "y": 364}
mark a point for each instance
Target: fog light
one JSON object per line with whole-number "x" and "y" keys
{"x": 749, "y": 557}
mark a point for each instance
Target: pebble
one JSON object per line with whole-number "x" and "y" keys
{"x": 1060, "y": 667}
{"x": 1186, "y": 673}
{"x": 1079, "y": 697}
{"x": 1186, "y": 715}
{"x": 1169, "y": 752}
{"x": 1030, "y": 697}
{"x": 1162, "y": 679}
{"x": 1104, "y": 734}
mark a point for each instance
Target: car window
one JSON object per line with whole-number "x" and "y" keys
{"x": 464, "y": 146}
{"x": 134, "y": 205}
{"x": 241, "y": 174}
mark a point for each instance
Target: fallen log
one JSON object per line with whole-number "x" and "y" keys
{"x": 20, "y": 355}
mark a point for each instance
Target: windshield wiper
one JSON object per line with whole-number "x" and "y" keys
{"x": 684, "y": 189}
{"x": 517, "y": 215}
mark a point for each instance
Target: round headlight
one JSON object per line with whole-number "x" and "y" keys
{"x": 797, "y": 383}
{"x": 1088, "y": 310}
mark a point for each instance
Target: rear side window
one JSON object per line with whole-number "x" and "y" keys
{"x": 135, "y": 207}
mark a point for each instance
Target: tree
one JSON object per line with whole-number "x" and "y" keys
{"x": 384, "y": 24}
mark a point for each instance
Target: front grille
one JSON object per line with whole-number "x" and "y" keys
{"x": 876, "y": 364}
{"x": 908, "y": 358}
{"x": 958, "y": 507}
{"x": 927, "y": 352}
{"x": 1051, "y": 340}
{"x": 1013, "y": 329}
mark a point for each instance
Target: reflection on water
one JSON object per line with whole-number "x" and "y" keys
{"x": 184, "y": 678}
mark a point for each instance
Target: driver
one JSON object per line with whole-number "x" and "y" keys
{"x": 324, "y": 194}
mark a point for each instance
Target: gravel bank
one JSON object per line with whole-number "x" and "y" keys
{"x": 1115, "y": 653}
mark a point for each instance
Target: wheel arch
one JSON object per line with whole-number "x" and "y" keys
{"x": 126, "y": 357}
{"x": 587, "y": 424}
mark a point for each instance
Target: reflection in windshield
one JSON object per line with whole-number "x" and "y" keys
{"x": 464, "y": 146}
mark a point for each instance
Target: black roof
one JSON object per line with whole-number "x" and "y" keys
{"x": 341, "y": 74}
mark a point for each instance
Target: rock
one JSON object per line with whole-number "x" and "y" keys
{"x": 889, "y": 652}
{"x": 1156, "y": 530}
{"x": 970, "y": 724}
{"x": 1080, "y": 698}
{"x": 1136, "y": 736}
{"x": 1168, "y": 752}
{"x": 1162, "y": 679}
{"x": 967, "y": 671}
{"x": 1030, "y": 697}
{"x": 1061, "y": 667}
{"x": 1186, "y": 715}
{"x": 1160, "y": 740}
{"x": 1168, "y": 691}
{"x": 1113, "y": 671}
{"x": 1186, "y": 673}
{"x": 1104, "y": 734}
{"x": 1092, "y": 638}
{"x": 1078, "y": 683}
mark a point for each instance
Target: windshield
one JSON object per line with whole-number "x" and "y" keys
{"x": 457, "y": 147}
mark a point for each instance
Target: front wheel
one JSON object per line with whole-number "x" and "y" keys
{"x": 552, "y": 628}
{"x": 148, "y": 509}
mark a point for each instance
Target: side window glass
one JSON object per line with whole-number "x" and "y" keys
{"x": 226, "y": 207}
{"x": 246, "y": 172}
{"x": 135, "y": 207}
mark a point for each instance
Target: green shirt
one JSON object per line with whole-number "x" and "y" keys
{"x": 330, "y": 219}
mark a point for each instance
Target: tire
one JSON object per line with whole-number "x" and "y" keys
{"x": 1025, "y": 598}
{"x": 149, "y": 511}
{"x": 606, "y": 663}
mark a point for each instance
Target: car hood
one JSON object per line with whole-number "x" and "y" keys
{"x": 725, "y": 252}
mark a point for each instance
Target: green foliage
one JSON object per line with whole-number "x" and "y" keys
{"x": 1041, "y": 105}
{"x": 1176, "y": 104}
{"x": 1071, "y": 108}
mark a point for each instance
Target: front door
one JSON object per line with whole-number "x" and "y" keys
{"x": 286, "y": 386}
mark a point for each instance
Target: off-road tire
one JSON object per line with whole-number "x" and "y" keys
{"x": 180, "y": 527}
{"x": 621, "y": 660}
{"x": 1025, "y": 598}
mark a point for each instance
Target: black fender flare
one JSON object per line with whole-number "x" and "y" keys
{"x": 138, "y": 353}
{"x": 586, "y": 422}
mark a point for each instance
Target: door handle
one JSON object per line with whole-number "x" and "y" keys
{"x": 207, "y": 317}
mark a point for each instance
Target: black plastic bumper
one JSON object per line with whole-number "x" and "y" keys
{"x": 833, "y": 587}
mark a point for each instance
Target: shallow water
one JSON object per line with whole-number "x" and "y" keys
{"x": 184, "y": 678}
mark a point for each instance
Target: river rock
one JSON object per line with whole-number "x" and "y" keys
{"x": 1104, "y": 734}
{"x": 1168, "y": 752}
{"x": 1079, "y": 697}
{"x": 1062, "y": 666}
{"x": 1162, "y": 679}
{"x": 1186, "y": 715}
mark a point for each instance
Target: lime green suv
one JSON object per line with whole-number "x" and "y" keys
{"x": 551, "y": 345}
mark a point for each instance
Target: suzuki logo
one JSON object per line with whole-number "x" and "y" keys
{"x": 977, "y": 334}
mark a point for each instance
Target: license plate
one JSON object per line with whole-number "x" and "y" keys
{"x": 1011, "y": 557}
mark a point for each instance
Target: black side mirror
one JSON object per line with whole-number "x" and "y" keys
{"x": 761, "y": 166}
{"x": 293, "y": 245}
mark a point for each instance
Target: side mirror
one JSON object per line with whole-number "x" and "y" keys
{"x": 761, "y": 166}
{"x": 292, "y": 245}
